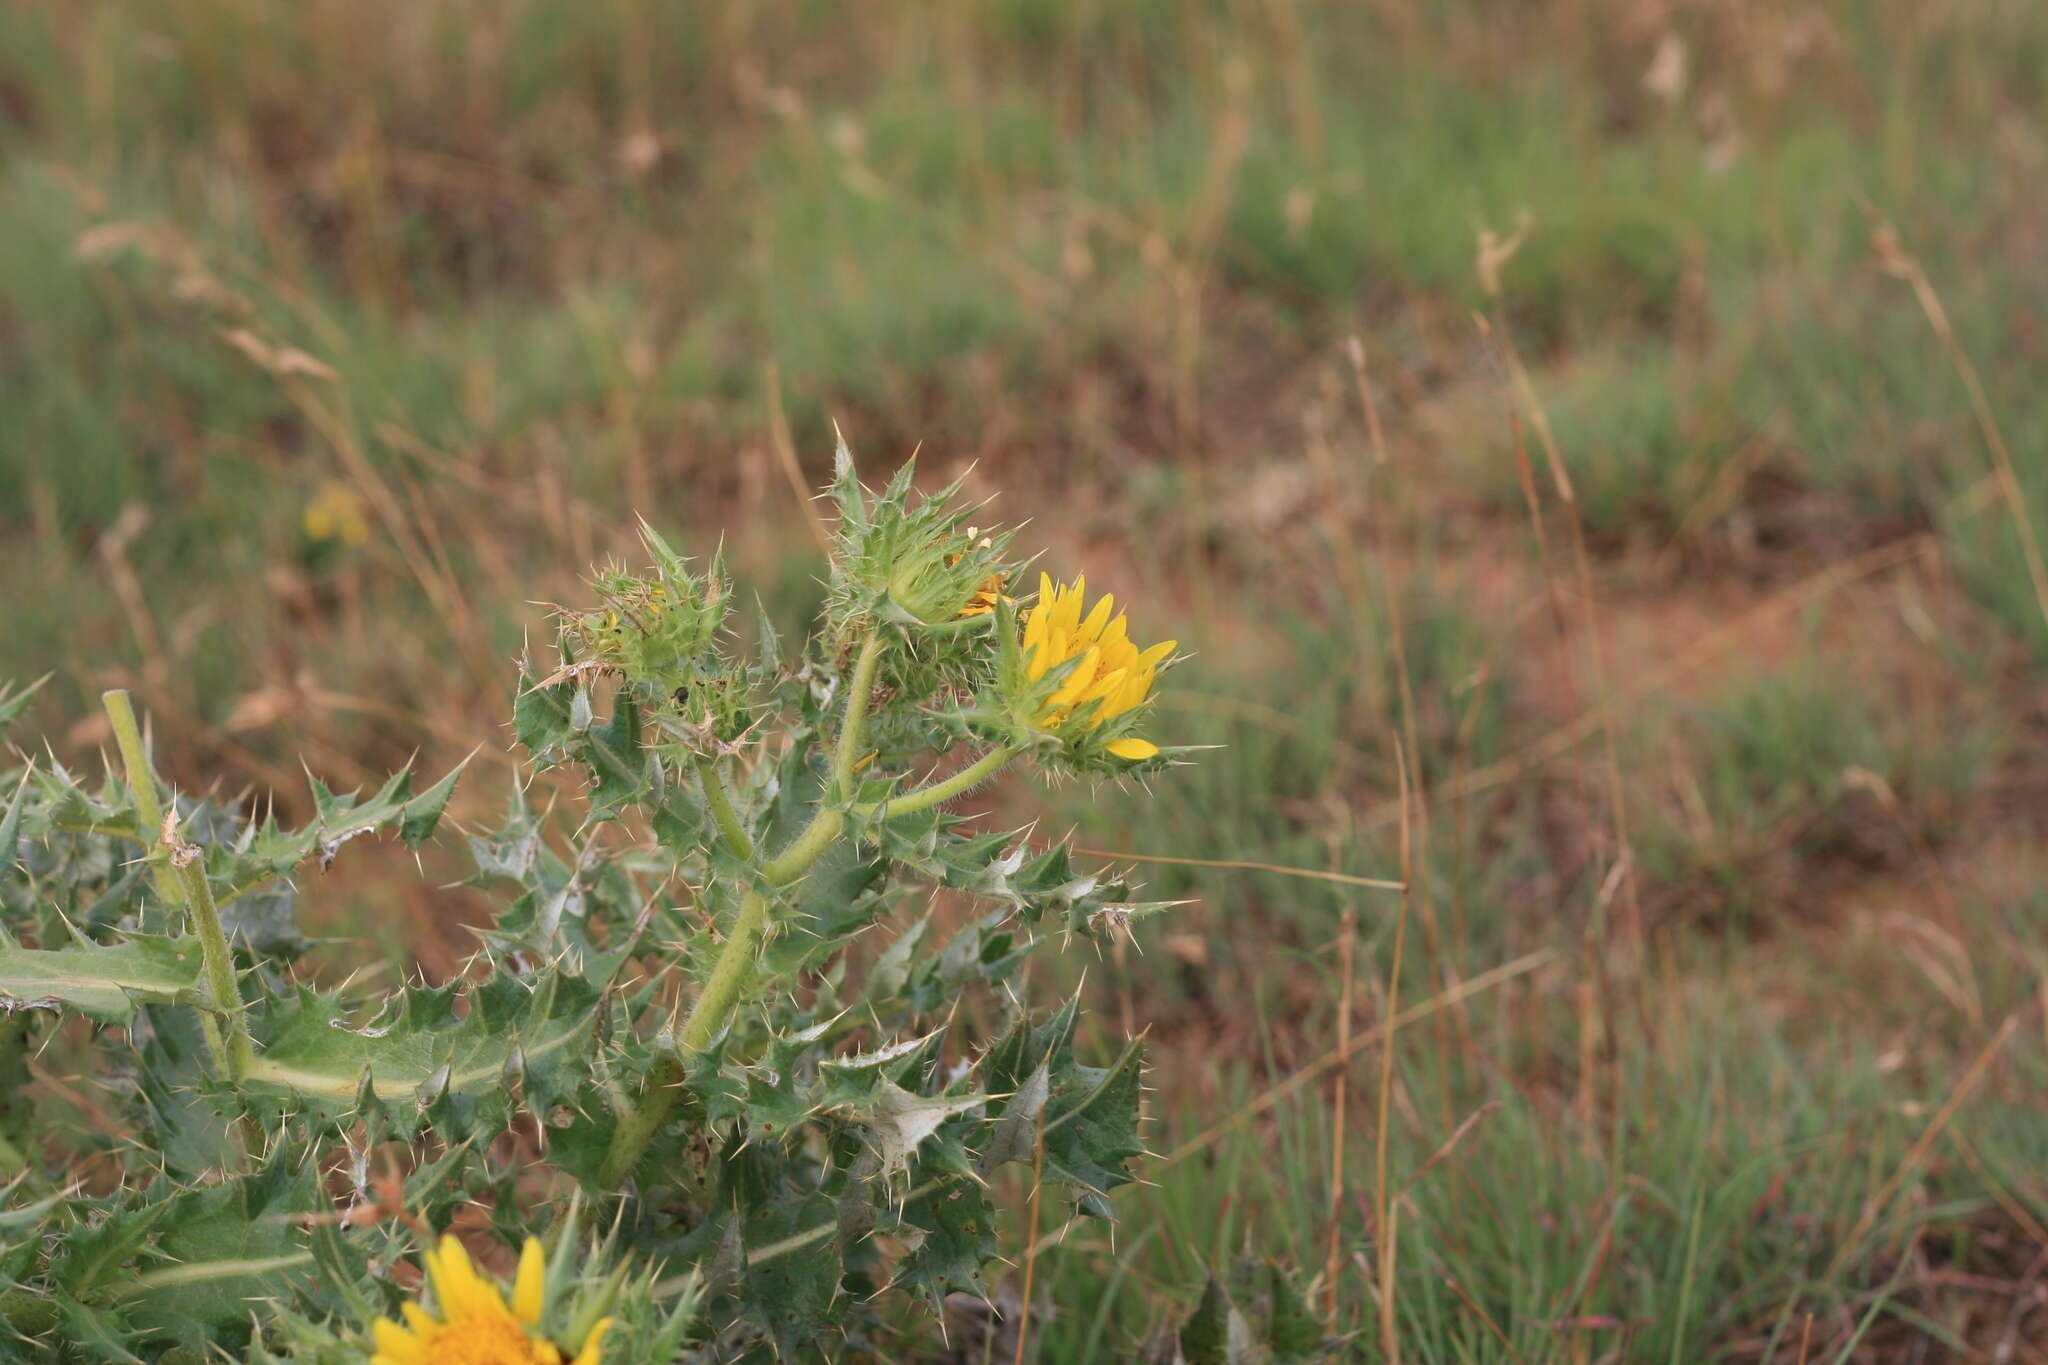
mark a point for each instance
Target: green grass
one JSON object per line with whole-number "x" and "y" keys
{"x": 550, "y": 259}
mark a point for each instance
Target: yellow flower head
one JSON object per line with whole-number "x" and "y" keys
{"x": 1110, "y": 674}
{"x": 475, "y": 1326}
{"x": 336, "y": 513}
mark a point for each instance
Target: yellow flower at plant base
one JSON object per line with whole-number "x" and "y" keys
{"x": 475, "y": 1326}
{"x": 1109, "y": 671}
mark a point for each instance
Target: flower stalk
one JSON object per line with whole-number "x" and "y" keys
{"x": 847, "y": 755}
{"x": 735, "y": 965}
{"x": 720, "y": 801}
{"x": 924, "y": 798}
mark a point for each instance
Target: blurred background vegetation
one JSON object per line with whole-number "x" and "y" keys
{"x": 1589, "y": 407}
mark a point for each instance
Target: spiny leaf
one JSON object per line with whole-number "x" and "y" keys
{"x": 13, "y": 702}
{"x": 1292, "y": 1332}
{"x": 243, "y": 858}
{"x": 1015, "y": 1135}
{"x": 93, "y": 1254}
{"x": 10, "y": 826}
{"x": 899, "y": 1122}
{"x": 791, "y": 1293}
{"x": 523, "y": 1042}
{"x": 218, "y": 1251}
{"x": 175, "y": 1099}
{"x": 102, "y": 981}
{"x": 1091, "y": 1128}
{"x": 1216, "y": 1333}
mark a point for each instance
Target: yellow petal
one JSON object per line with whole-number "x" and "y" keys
{"x": 593, "y": 1343}
{"x": 1152, "y": 656}
{"x": 419, "y": 1319}
{"x": 526, "y": 1289}
{"x": 397, "y": 1344}
{"x": 465, "y": 1293}
{"x": 1106, "y": 684}
{"x": 1097, "y": 619}
{"x": 1132, "y": 748}
{"x": 1067, "y": 605}
{"x": 1035, "y": 623}
{"x": 1043, "y": 657}
{"x": 1078, "y": 680}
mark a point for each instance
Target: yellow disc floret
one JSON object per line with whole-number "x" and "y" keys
{"x": 474, "y": 1325}
{"x": 1110, "y": 675}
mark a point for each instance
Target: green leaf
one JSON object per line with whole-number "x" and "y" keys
{"x": 98, "y": 1333}
{"x": 218, "y": 1252}
{"x": 898, "y": 1121}
{"x": 13, "y": 703}
{"x": 183, "y": 1110}
{"x": 541, "y": 719}
{"x": 10, "y": 827}
{"x": 618, "y": 765}
{"x": 956, "y": 1227}
{"x": 790, "y": 1289}
{"x": 1091, "y": 1129}
{"x": 102, "y": 981}
{"x": 92, "y": 1254}
{"x": 836, "y": 900}
{"x": 241, "y": 858}
{"x": 1292, "y": 1332}
{"x": 1015, "y": 1134}
{"x": 522, "y": 1043}
{"x": 1216, "y": 1333}
{"x": 418, "y": 817}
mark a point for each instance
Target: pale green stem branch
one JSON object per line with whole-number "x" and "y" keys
{"x": 218, "y": 960}
{"x": 715, "y": 1003}
{"x": 721, "y": 809}
{"x": 734, "y": 969}
{"x": 149, "y": 812}
{"x": 848, "y": 753}
{"x": 924, "y": 798}
{"x": 149, "y": 821}
{"x": 181, "y": 880}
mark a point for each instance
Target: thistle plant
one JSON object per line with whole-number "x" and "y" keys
{"x": 737, "y": 1051}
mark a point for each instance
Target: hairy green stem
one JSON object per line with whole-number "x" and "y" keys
{"x": 721, "y": 808}
{"x": 149, "y": 812}
{"x": 149, "y": 820}
{"x": 218, "y": 960}
{"x": 924, "y": 798}
{"x": 233, "y": 1051}
{"x": 715, "y": 1003}
{"x": 181, "y": 880}
{"x": 734, "y": 969}
{"x": 848, "y": 753}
